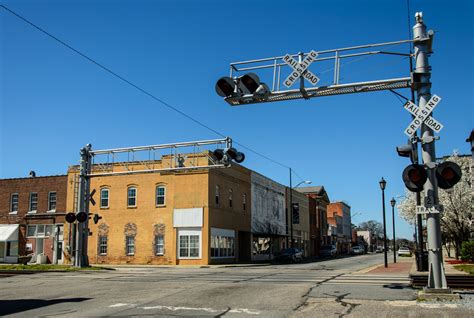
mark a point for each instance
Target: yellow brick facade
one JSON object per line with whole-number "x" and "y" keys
{"x": 184, "y": 190}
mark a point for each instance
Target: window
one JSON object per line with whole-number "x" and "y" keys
{"x": 217, "y": 195}
{"x": 130, "y": 245}
{"x": 14, "y": 202}
{"x": 52, "y": 201}
{"x": 31, "y": 230}
{"x": 189, "y": 244}
{"x": 104, "y": 198}
{"x": 230, "y": 197}
{"x": 103, "y": 245}
{"x": 244, "y": 201}
{"x": 33, "y": 202}
{"x": 160, "y": 195}
{"x": 12, "y": 248}
{"x": 159, "y": 244}
{"x": 222, "y": 246}
{"x": 132, "y": 197}
{"x": 40, "y": 230}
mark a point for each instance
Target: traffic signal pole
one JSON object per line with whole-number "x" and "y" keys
{"x": 436, "y": 278}
{"x": 80, "y": 257}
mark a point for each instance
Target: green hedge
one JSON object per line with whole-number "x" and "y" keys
{"x": 467, "y": 251}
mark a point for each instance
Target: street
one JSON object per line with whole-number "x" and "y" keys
{"x": 308, "y": 289}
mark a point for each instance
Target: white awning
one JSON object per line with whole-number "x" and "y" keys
{"x": 8, "y": 232}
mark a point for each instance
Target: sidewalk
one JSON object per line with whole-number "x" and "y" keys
{"x": 403, "y": 266}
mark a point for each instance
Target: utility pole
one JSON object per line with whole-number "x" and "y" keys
{"x": 383, "y": 183}
{"x": 436, "y": 278}
{"x": 290, "y": 211}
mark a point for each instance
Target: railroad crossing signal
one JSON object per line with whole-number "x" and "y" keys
{"x": 423, "y": 116}
{"x": 300, "y": 69}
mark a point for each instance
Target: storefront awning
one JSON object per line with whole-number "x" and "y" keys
{"x": 8, "y": 232}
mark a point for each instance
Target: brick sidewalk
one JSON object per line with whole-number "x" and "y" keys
{"x": 401, "y": 267}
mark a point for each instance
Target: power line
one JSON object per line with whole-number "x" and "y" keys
{"x": 123, "y": 79}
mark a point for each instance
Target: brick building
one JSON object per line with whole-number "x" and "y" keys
{"x": 32, "y": 214}
{"x": 339, "y": 216}
{"x": 186, "y": 217}
{"x": 318, "y": 201}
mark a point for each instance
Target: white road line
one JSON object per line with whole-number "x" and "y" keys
{"x": 120, "y": 305}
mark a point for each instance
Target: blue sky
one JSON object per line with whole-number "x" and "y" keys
{"x": 53, "y": 101}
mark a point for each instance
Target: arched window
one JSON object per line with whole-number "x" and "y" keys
{"x": 132, "y": 197}
{"x": 104, "y": 198}
{"x": 160, "y": 195}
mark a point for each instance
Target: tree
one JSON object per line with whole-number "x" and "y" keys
{"x": 375, "y": 228}
{"x": 457, "y": 217}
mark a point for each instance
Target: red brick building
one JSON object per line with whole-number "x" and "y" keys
{"x": 318, "y": 225}
{"x": 32, "y": 214}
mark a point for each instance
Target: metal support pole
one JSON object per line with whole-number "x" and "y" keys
{"x": 384, "y": 231}
{"x": 290, "y": 209}
{"x": 436, "y": 278}
{"x": 80, "y": 258}
{"x": 394, "y": 239}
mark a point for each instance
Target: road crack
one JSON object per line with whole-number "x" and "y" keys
{"x": 306, "y": 295}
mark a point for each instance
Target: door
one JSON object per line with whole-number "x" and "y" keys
{"x": 39, "y": 246}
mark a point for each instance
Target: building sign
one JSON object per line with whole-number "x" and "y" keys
{"x": 268, "y": 206}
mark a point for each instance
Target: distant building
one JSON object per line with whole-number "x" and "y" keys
{"x": 32, "y": 214}
{"x": 339, "y": 216}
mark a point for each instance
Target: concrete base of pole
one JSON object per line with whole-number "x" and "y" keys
{"x": 437, "y": 294}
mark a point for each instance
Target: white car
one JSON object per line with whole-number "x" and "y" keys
{"x": 404, "y": 251}
{"x": 357, "y": 250}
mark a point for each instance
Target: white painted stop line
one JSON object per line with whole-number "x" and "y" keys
{"x": 422, "y": 115}
{"x": 300, "y": 69}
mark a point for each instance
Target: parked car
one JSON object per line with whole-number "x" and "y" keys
{"x": 328, "y": 251}
{"x": 357, "y": 250}
{"x": 291, "y": 254}
{"x": 379, "y": 249}
{"x": 404, "y": 251}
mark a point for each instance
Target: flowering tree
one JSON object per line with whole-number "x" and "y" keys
{"x": 458, "y": 216}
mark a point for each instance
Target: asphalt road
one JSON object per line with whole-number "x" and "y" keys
{"x": 328, "y": 288}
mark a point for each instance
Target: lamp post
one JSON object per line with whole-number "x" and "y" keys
{"x": 383, "y": 183}
{"x": 290, "y": 208}
{"x": 392, "y": 203}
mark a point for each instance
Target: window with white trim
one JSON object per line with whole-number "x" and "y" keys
{"x": 189, "y": 243}
{"x": 52, "y": 196}
{"x": 130, "y": 245}
{"x": 159, "y": 244}
{"x": 132, "y": 197}
{"x": 33, "y": 202}
{"x": 14, "y": 202}
{"x": 160, "y": 195}
{"x": 103, "y": 245}
{"x": 104, "y": 198}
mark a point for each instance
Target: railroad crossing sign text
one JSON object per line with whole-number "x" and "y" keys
{"x": 422, "y": 115}
{"x": 300, "y": 69}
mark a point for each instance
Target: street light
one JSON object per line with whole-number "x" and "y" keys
{"x": 383, "y": 183}
{"x": 392, "y": 203}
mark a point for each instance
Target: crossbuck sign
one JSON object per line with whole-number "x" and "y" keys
{"x": 300, "y": 69}
{"x": 422, "y": 115}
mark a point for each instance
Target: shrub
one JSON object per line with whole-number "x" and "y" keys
{"x": 467, "y": 251}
